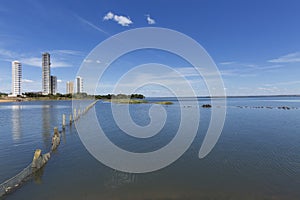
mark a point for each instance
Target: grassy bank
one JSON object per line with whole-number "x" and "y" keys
{"x": 164, "y": 103}
{"x": 126, "y": 101}
{"x": 136, "y": 101}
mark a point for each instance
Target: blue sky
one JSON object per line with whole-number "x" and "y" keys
{"x": 255, "y": 44}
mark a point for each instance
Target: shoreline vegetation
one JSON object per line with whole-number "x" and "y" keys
{"x": 126, "y": 101}
{"x": 122, "y": 99}
{"x": 112, "y": 98}
{"x": 57, "y": 97}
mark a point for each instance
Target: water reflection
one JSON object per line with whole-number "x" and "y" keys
{"x": 119, "y": 179}
{"x": 37, "y": 176}
{"x": 16, "y": 123}
{"x": 46, "y": 116}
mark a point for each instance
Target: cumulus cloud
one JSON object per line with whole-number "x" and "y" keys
{"x": 122, "y": 20}
{"x": 150, "y": 20}
{"x": 108, "y": 16}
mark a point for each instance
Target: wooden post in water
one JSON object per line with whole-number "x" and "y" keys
{"x": 70, "y": 118}
{"x": 74, "y": 115}
{"x": 55, "y": 139}
{"x": 63, "y": 121}
{"x": 56, "y": 131}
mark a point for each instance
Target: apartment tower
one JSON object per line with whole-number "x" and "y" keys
{"x": 46, "y": 82}
{"x": 79, "y": 84}
{"x": 53, "y": 85}
{"x": 16, "y": 78}
{"x": 70, "y": 87}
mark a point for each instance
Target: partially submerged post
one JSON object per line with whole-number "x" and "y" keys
{"x": 74, "y": 114}
{"x": 78, "y": 113}
{"x": 39, "y": 160}
{"x": 55, "y": 139}
{"x": 63, "y": 121}
{"x": 70, "y": 118}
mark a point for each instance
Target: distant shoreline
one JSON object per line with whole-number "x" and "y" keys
{"x": 7, "y": 99}
{"x": 254, "y": 96}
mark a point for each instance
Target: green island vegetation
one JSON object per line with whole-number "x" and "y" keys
{"x": 120, "y": 96}
{"x": 123, "y": 98}
{"x": 164, "y": 102}
{"x": 127, "y": 101}
{"x": 206, "y": 106}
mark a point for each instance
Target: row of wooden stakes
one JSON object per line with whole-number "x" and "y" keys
{"x": 39, "y": 159}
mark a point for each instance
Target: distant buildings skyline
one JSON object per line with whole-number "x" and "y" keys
{"x": 49, "y": 82}
{"x": 16, "y": 78}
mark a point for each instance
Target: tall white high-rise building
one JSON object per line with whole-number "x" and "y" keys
{"x": 79, "y": 84}
{"x": 16, "y": 78}
{"x": 46, "y": 82}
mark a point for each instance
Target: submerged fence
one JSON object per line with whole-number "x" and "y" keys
{"x": 39, "y": 159}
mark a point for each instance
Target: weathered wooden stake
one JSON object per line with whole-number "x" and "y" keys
{"x": 56, "y": 131}
{"x": 74, "y": 114}
{"x": 63, "y": 121}
{"x": 70, "y": 118}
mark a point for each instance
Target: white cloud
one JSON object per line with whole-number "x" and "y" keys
{"x": 227, "y": 63}
{"x": 28, "y": 59}
{"x": 59, "y": 81}
{"x": 7, "y": 53}
{"x": 289, "y": 58}
{"x": 108, "y": 16}
{"x": 272, "y": 89}
{"x": 122, "y": 20}
{"x": 87, "y": 60}
{"x": 283, "y": 83}
{"x": 37, "y": 62}
{"x": 56, "y": 63}
{"x": 66, "y": 52}
{"x": 150, "y": 20}
{"x": 27, "y": 81}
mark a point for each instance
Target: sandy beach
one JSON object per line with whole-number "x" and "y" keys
{"x": 7, "y": 100}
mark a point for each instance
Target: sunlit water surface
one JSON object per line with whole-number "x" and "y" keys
{"x": 256, "y": 157}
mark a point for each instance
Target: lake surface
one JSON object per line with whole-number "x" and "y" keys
{"x": 256, "y": 157}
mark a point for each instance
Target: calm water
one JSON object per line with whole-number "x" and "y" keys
{"x": 256, "y": 157}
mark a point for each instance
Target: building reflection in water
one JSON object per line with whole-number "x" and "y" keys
{"x": 16, "y": 123}
{"x": 118, "y": 179}
{"x": 46, "y": 122}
